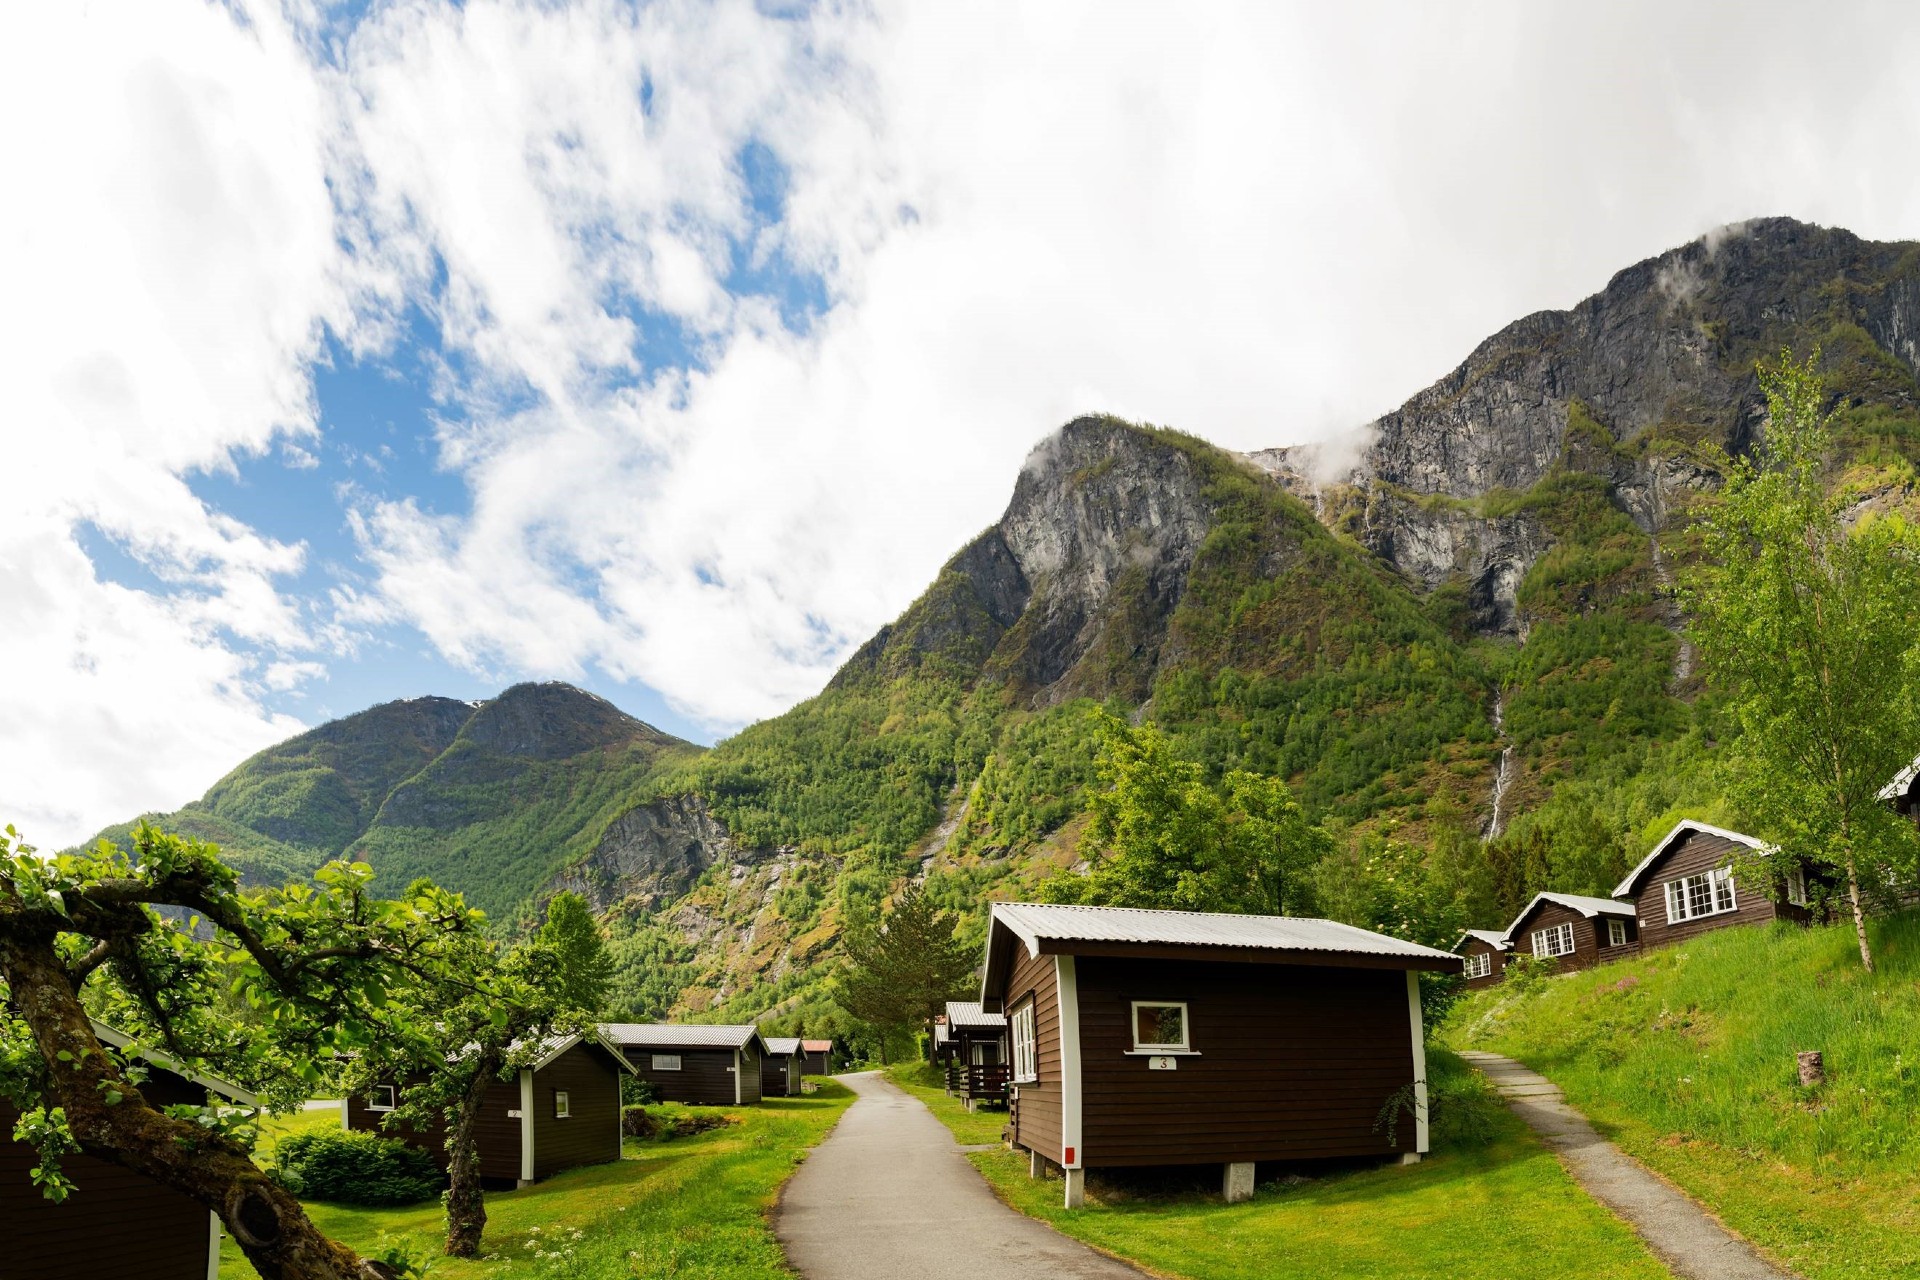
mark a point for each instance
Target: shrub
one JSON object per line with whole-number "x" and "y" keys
{"x": 1463, "y": 1109}
{"x": 635, "y": 1092}
{"x": 356, "y": 1168}
{"x": 1525, "y": 972}
{"x": 665, "y": 1124}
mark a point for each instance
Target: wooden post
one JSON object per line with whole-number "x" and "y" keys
{"x": 1813, "y": 1068}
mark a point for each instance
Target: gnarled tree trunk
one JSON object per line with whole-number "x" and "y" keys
{"x": 466, "y": 1203}
{"x": 269, "y": 1224}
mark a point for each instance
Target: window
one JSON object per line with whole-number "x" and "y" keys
{"x": 1159, "y": 1026}
{"x": 666, "y": 1062}
{"x": 1026, "y": 1056}
{"x": 381, "y": 1099}
{"x": 1707, "y": 894}
{"x": 1616, "y": 933}
{"x": 560, "y": 1108}
{"x": 1797, "y": 885}
{"x": 986, "y": 1053}
{"x": 1554, "y": 940}
{"x": 1479, "y": 965}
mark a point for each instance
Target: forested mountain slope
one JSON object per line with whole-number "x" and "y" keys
{"x": 1466, "y": 628}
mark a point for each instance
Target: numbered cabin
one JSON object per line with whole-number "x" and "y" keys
{"x": 117, "y": 1222}
{"x": 560, "y": 1112}
{"x": 975, "y": 1054}
{"x": 1483, "y": 955}
{"x": 1574, "y": 931}
{"x": 1143, "y": 1038}
{"x": 816, "y": 1057}
{"x": 780, "y": 1069}
{"x": 1687, "y": 885}
{"x": 712, "y": 1066}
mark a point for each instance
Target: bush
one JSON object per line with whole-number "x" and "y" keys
{"x": 635, "y": 1092}
{"x": 1462, "y": 1106}
{"x": 356, "y": 1168}
{"x": 1524, "y": 972}
{"x": 665, "y": 1124}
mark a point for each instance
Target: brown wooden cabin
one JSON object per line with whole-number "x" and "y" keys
{"x": 117, "y": 1222}
{"x": 1483, "y": 955}
{"x": 975, "y": 1054}
{"x": 1143, "y": 1038}
{"x": 780, "y": 1069}
{"x": 1903, "y": 792}
{"x": 561, "y": 1112}
{"x": 1686, "y": 886}
{"x": 816, "y": 1057}
{"x": 713, "y": 1066}
{"x": 1575, "y": 931}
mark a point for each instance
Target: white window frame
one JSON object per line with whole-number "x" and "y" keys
{"x": 562, "y": 1105}
{"x": 1717, "y": 887}
{"x": 1479, "y": 965}
{"x": 1544, "y": 940}
{"x": 377, "y": 1092}
{"x": 1186, "y": 1027}
{"x": 666, "y": 1062}
{"x": 1026, "y": 1049}
{"x": 1616, "y": 931}
{"x": 1797, "y": 885}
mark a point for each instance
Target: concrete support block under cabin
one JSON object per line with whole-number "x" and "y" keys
{"x": 1409, "y": 1157}
{"x": 1238, "y": 1184}
{"x": 1076, "y": 1188}
{"x": 1036, "y": 1167}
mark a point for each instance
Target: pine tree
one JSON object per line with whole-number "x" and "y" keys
{"x": 902, "y": 971}
{"x": 585, "y": 963}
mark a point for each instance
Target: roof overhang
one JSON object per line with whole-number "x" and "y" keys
{"x": 1573, "y": 902}
{"x": 1630, "y": 887}
{"x": 1902, "y": 783}
{"x": 166, "y": 1062}
{"x": 597, "y": 1039}
{"x": 1492, "y": 938}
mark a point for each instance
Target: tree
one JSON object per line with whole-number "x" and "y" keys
{"x": 1806, "y": 620}
{"x": 260, "y": 988}
{"x": 477, "y": 1018}
{"x": 1161, "y": 835}
{"x": 902, "y": 971}
{"x": 585, "y": 963}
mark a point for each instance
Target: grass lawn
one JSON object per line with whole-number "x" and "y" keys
{"x": 1685, "y": 1057}
{"x": 1498, "y": 1207}
{"x": 691, "y": 1207}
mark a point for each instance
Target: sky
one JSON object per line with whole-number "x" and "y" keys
{"x": 363, "y": 351}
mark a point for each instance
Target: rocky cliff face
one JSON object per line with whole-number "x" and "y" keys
{"x": 654, "y": 853}
{"x": 1660, "y": 362}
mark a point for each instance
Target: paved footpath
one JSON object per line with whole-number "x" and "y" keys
{"x": 888, "y": 1196}
{"x": 1684, "y": 1236}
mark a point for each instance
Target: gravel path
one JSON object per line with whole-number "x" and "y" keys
{"x": 1683, "y": 1234}
{"x": 888, "y": 1196}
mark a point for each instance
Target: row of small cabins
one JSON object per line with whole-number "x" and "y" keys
{"x": 562, "y": 1111}
{"x": 1115, "y": 1037}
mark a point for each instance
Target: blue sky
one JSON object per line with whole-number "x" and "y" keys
{"x": 670, "y": 348}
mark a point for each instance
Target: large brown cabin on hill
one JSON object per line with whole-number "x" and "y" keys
{"x": 561, "y": 1112}
{"x": 1180, "y": 1038}
{"x": 1483, "y": 955}
{"x": 1686, "y": 885}
{"x": 780, "y": 1069}
{"x": 714, "y": 1066}
{"x": 118, "y": 1222}
{"x": 1574, "y": 931}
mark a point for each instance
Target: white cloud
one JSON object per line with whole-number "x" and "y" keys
{"x": 168, "y": 236}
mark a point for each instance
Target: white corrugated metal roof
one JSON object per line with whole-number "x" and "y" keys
{"x": 966, "y": 1013}
{"x": 553, "y": 1046}
{"x": 781, "y": 1046}
{"x": 1033, "y": 921}
{"x": 1628, "y": 888}
{"x": 1901, "y": 781}
{"x": 1492, "y": 937}
{"x": 1588, "y": 907}
{"x": 650, "y": 1035}
{"x": 225, "y": 1088}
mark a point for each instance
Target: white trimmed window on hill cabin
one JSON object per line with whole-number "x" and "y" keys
{"x": 1479, "y": 965}
{"x": 1554, "y": 940}
{"x": 1026, "y": 1058}
{"x": 1706, "y": 893}
{"x": 1797, "y": 885}
{"x": 1616, "y": 933}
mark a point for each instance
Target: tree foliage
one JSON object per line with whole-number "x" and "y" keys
{"x": 1805, "y": 617}
{"x": 1161, "y": 834}
{"x": 584, "y": 963}
{"x": 900, "y": 972}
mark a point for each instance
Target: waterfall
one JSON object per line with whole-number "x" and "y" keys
{"x": 1503, "y": 776}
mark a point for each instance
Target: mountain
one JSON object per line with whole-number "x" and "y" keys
{"x": 488, "y": 797}
{"x": 1460, "y": 625}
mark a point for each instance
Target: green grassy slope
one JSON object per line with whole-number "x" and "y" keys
{"x": 1685, "y": 1056}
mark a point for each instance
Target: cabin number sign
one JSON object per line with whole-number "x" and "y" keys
{"x": 1162, "y": 1062}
